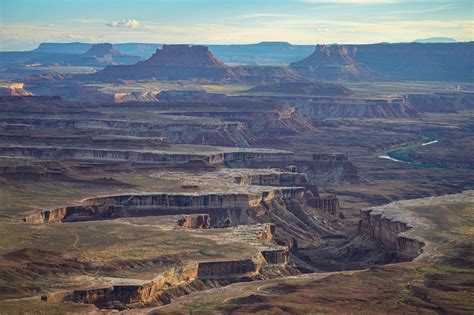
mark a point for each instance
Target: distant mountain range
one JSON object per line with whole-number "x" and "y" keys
{"x": 436, "y": 40}
{"x": 384, "y": 61}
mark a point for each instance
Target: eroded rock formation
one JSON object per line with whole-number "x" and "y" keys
{"x": 195, "y": 221}
{"x": 172, "y": 62}
{"x": 388, "y": 225}
{"x": 334, "y": 62}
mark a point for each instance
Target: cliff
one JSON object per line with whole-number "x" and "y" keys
{"x": 172, "y": 62}
{"x": 389, "y": 224}
{"x": 177, "y": 282}
{"x": 333, "y": 63}
{"x": 352, "y": 107}
{"x": 219, "y": 156}
{"x": 403, "y": 61}
{"x": 196, "y": 221}
{"x": 202, "y": 210}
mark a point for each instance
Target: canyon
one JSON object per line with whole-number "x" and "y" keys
{"x": 172, "y": 179}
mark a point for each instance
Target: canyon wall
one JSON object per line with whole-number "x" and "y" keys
{"x": 175, "y": 282}
{"x": 222, "y": 210}
{"x": 146, "y": 156}
{"x": 389, "y": 229}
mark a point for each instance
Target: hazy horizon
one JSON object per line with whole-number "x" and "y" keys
{"x": 26, "y": 23}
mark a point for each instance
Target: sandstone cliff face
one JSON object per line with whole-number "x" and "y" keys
{"x": 237, "y": 156}
{"x": 217, "y": 210}
{"x": 175, "y": 282}
{"x": 196, "y": 221}
{"x": 181, "y": 130}
{"x": 328, "y": 204}
{"x": 199, "y": 200}
{"x": 390, "y": 231}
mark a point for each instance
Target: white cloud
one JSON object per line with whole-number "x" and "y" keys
{"x": 130, "y": 23}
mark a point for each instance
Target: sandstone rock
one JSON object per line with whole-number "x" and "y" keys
{"x": 334, "y": 62}
{"x": 266, "y": 234}
{"x": 172, "y": 62}
{"x": 196, "y": 221}
{"x": 276, "y": 256}
{"x": 386, "y": 224}
{"x": 328, "y": 204}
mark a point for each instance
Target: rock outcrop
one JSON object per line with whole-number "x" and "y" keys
{"x": 172, "y": 62}
{"x": 328, "y": 204}
{"x": 333, "y": 62}
{"x": 402, "y": 61}
{"x": 176, "y": 282}
{"x": 203, "y": 210}
{"x": 388, "y": 224}
{"x": 229, "y": 155}
{"x": 195, "y": 221}
{"x": 322, "y": 107}
{"x": 14, "y": 89}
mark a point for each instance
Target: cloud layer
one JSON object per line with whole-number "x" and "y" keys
{"x": 130, "y": 23}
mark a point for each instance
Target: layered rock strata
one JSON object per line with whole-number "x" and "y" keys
{"x": 219, "y": 156}
{"x": 389, "y": 224}
{"x": 222, "y": 210}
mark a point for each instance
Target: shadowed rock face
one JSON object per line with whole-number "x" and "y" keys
{"x": 406, "y": 61}
{"x": 184, "y": 56}
{"x": 329, "y": 55}
{"x": 101, "y": 50}
{"x": 333, "y": 62}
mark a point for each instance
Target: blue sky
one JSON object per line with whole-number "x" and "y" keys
{"x": 26, "y": 23}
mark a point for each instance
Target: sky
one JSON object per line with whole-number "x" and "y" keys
{"x": 26, "y": 23}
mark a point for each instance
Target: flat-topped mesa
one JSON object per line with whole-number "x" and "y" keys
{"x": 102, "y": 50}
{"x": 184, "y": 56}
{"x": 172, "y": 62}
{"x": 210, "y": 155}
{"x": 199, "y": 201}
{"x": 333, "y": 62}
{"x": 329, "y": 55}
{"x": 221, "y": 210}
